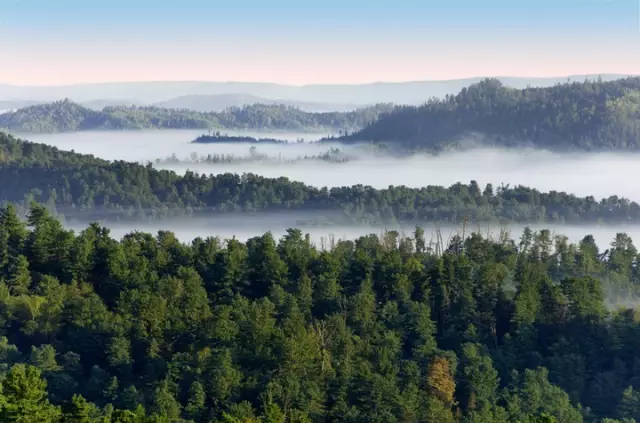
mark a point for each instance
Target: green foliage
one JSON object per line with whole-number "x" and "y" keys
{"x": 24, "y": 397}
{"x": 592, "y": 115}
{"x": 377, "y": 329}
{"x": 65, "y": 116}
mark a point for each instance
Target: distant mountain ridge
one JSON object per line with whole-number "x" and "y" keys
{"x": 10, "y": 105}
{"x": 146, "y": 93}
{"x": 68, "y": 116}
{"x": 597, "y": 115}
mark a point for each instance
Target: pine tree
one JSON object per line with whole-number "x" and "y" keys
{"x": 79, "y": 410}
{"x": 18, "y": 275}
{"x": 196, "y": 402}
{"x": 25, "y": 397}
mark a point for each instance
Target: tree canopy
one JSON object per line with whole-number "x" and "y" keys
{"x": 592, "y": 115}
{"x": 66, "y": 116}
{"x": 389, "y": 329}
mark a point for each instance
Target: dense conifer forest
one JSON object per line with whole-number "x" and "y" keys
{"x": 281, "y": 212}
{"x": 592, "y": 115}
{"x": 390, "y": 329}
{"x": 71, "y": 182}
{"x": 218, "y": 138}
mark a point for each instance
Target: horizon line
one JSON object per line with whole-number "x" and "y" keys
{"x": 195, "y": 81}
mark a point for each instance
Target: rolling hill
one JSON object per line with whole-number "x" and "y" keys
{"x": 592, "y": 115}
{"x": 67, "y": 116}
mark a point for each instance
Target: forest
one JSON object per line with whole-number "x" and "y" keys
{"x": 70, "y": 183}
{"x": 67, "y": 116}
{"x": 391, "y": 329}
{"x": 217, "y": 137}
{"x": 593, "y": 116}
{"x": 587, "y": 116}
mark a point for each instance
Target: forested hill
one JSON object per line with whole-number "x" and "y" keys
{"x": 65, "y": 116}
{"x": 150, "y": 330}
{"x": 578, "y": 116}
{"x": 70, "y": 181}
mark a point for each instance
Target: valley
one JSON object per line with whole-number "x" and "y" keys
{"x": 467, "y": 256}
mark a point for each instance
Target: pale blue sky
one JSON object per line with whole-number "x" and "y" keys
{"x": 299, "y": 42}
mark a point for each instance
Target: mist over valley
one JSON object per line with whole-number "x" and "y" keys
{"x": 319, "y": 212}
{"x": 243, "y": 226}
{"x": 168, "y": 92}
{"x": 580, "y": 173}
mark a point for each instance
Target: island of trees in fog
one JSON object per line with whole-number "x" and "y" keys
{"x": 218, "y": 138}
{"x": 333, "y": 155}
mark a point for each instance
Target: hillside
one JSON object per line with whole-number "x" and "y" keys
{"x": 72, "y": 183}
{"x": 391, "y": 329}
{"x": 100, "y": 103}
{"x": 261, "y": 116}
{"x": 59, "y": 116}
{"x": 584, "y": 116}
{"x": 65, "y": 116}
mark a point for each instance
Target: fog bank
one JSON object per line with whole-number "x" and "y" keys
{"x": 244, "y": 226}
{"x": 600, "y": 175}
{"x": 148, "y": 145}
{"x": 583, "y": 174}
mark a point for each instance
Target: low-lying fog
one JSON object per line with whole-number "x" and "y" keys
{"x": 597, "y": 174}
{"x": 149, "y": 145}
{"x": 246, "y": 226}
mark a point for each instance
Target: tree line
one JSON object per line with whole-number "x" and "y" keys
{"x": 67, "y": 116}
{"x": 70, "y": 183}
{"x": 592, "y": 115}
{"x": 333, "y": 155}
{"x": 391, "y": 329}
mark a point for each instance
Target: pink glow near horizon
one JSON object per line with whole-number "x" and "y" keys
{"x": 44, "y": 63}
{"x": 305, "y": 71}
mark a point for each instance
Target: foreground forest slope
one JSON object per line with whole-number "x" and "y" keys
{"x": 149, "y": 330}
{"x": 72, "y": 182}
{"x": 67, "y": 116}
{"x": 578, "y": 116}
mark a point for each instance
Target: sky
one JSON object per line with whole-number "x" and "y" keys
{"x": 44, "y": 42}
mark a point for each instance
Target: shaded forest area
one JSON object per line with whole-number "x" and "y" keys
{"x": 147, "y": 329}
{"x": 218, "y": 138}
{"x": 67, "y": 116}
{"x": 592, "y": 116}
{"x": 70, "y": 182}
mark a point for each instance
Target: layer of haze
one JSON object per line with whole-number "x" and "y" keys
{"x": 139, "y": 146}
{"x": 600, "y": 175}
{"x": 243, "y": 227}
{"x": 200, "y": 95}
